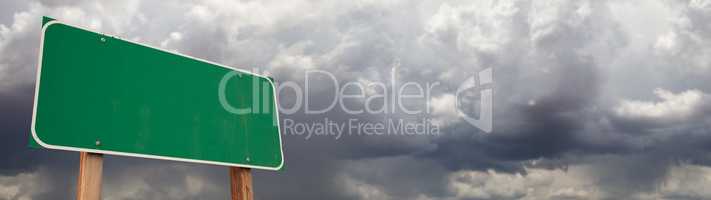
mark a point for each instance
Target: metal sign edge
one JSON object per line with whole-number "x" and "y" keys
{"x": 58, "y": 147}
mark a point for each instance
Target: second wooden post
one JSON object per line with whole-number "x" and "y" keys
{"x": 89, "y": 179}
{"x": 241, "y": 183}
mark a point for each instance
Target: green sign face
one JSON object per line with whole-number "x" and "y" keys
{"x": 98, "y": 93}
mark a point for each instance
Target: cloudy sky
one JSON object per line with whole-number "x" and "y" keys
{"x": 592, "y": 99}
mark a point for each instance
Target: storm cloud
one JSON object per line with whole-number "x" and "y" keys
{"x": 592, "y": 99}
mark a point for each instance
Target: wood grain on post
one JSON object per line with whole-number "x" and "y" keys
{"x": 241, "y": 183}
{"x": 89, "y": 183}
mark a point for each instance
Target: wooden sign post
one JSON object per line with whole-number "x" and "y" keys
{"x": 241, "y": 183}
{"x": 90, "y": 174}
{"x": 89, "y": 181}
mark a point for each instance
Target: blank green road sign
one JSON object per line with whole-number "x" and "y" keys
{"x": 102, "y": 94}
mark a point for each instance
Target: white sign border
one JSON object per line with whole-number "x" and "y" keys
{"x": 49, "y": 146}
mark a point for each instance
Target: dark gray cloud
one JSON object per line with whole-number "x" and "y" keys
{"x": 593, "y": 99}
